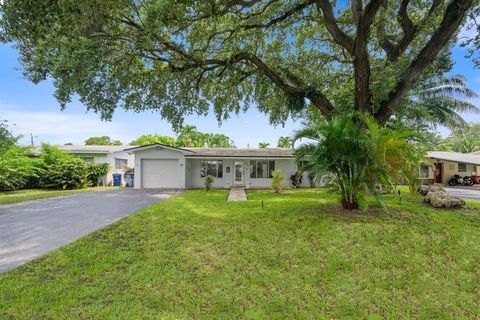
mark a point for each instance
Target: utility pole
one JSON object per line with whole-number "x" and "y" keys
{"x": 31, "y": 138}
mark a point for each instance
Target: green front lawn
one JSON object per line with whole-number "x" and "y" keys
{"x": 197, "y": 256}
{"x": 10, "y": 197}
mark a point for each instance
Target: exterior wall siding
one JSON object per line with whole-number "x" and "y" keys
{"x": 194, "y": 180}
{"x": 450, "y": 169}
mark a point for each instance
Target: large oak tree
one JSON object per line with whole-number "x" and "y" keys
{"x": 182, "y": 57}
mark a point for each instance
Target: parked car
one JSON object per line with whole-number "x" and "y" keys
{"x": 476, "y": 179}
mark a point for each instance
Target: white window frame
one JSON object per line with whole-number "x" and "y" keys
{"x": 218, "y": 170}
{"x": 120, "y": 167}
{"x": 254, "y": 169}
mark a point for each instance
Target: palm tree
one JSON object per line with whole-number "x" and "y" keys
{"x": 189, "y": 136}
{"x": 263, "y": 145}
{"x": 356, "y": 154}
{"x": 284, "y": 142}
{"x": 216, "y": 140}
{"x": 442, "y": 101}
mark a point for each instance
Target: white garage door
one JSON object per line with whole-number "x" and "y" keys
{"x": 161, "y": 173}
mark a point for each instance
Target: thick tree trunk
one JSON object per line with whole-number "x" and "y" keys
{"x": 361, "y": 68}
{"x": 361, "y": 62}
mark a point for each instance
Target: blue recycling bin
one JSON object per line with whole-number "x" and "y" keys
{"x": 117, "y": 179}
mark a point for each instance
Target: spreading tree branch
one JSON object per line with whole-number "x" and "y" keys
{"x": 340, "y": 37}
{"x": 453, "y": 17}
{"x": 409, "y": 30}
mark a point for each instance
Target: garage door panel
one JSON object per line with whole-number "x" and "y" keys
{"x": 161, "y": 173}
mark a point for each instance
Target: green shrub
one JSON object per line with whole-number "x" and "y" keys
{"x": 208, "y": 182}
{"x": 51, "y": 155}
{"x": 278, "y": 181}
{"x": 16, "y": 168}
{"x": 61, "y": 170}
{"x": 97, "y": 171}
{"x": 69, "y": 173}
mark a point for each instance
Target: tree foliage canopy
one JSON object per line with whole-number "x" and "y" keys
{"x": 184, "y": 57}
{"x": 146, "y": 139}
{"x": 284, "y": 142}
{"x": 6, "y": 137}
{"x": 466, "y": 140}
{"x": 102, "y": 141}
{"x": 188, "y": 136}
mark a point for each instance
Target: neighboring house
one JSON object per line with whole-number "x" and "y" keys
{"x": 444, "y": 165}
{"x": 160, "y": 166}
{"x": 118, "y": 159}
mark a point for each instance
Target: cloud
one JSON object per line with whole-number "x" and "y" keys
{"x": 61, "y": 127}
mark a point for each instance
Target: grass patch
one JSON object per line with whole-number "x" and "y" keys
{"x": 197, "y": 256}
{"x": 10, "y": 197}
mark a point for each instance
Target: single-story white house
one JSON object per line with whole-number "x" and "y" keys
{"x": 161, "y": 166}
{"x": 443, "y": 165}
{"x": 118, "y": 159}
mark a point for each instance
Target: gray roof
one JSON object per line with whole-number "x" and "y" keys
{"x": 87, "y": 149}
{"x": 224, "y": 152}
{"x": 93, "y": 149}
{"x": 242, "y": 152}
{"x": 455, "y": 157}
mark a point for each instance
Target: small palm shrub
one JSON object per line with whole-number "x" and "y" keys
{"x": 357, "y": 154}
{"x": 208, "y": 182}
{"x": 278, "y": 181}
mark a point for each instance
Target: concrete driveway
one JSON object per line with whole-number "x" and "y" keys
{"x": 31, "y": 229}
{"x": 472, "y": 193}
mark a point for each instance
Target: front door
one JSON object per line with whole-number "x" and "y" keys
{"x": 238, "y": 177}
{"x": 437, "y": 173}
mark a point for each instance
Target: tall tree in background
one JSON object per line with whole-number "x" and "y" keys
{"x": 6, "y": 137}
{"x": 183, "y": 57}
{"x": 16, "y": 166}
{"x": 189, "y": 136}
{"x": 152, "y": 139}
{"x": 284, "y": 142}
{"x": 102, "y": 141}
{"x": 263, "y": 145}
{"x": 217, "y": 140}
{"x": 466, "y": 140}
